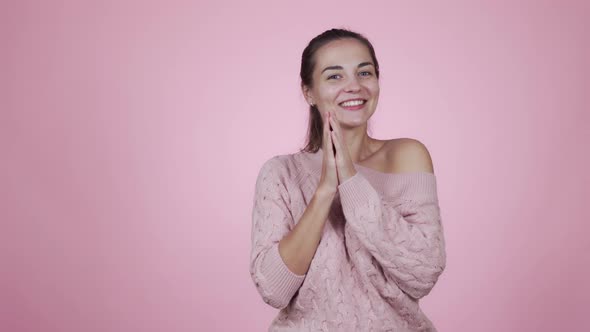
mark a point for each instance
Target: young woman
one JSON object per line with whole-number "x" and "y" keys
{"x": 346, "y": 233}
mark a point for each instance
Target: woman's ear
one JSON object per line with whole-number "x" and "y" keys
{"x": 307, "y": 94}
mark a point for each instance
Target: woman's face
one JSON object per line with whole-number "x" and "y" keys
{"x": 344, "y": 82}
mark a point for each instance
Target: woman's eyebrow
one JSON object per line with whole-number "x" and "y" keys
{"x": 331, "y": 68}
{"x": 362, "y": 64}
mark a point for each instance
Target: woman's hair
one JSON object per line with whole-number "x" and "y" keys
{"x": 308, "y": 62}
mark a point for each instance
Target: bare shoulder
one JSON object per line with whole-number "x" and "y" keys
{"x": 407, "y": 155}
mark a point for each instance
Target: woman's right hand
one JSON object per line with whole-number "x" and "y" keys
{"x": 329, "y": 179}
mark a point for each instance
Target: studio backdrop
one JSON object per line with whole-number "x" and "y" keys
{"x": 132, "y": 133}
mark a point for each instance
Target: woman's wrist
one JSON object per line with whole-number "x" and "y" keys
{"x": 345, "y": 177}
{"x": 323, "y": 193}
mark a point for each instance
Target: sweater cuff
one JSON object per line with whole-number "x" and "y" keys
{"x": 282, "y": 282}
{"x": 357, "y": 191}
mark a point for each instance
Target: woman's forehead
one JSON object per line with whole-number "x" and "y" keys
{"x": 343, "y": 52}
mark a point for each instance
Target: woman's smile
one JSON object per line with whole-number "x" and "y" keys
{"x": 353, "y": 104}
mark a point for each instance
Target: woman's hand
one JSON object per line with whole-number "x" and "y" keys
{"x": 344, "y": 166}
{"x": 328, "y": 184}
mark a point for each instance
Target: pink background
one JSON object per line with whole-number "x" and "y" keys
{"x": 132, "y": 132}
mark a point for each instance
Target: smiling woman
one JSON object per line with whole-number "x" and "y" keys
{"x": 351, "y": 88}
{"x": 346, "y": 233}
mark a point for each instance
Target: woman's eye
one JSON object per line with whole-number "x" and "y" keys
{"x": 333, "y": 76}
{"x": 366, "y": 73}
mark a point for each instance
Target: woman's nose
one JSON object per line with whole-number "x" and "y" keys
{"x": 352, "y": 84}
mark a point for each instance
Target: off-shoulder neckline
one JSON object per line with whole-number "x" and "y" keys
{"x": 394, "y": 173}
{"x": 317, "y": 160}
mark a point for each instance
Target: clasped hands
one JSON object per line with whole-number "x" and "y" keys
{"x": 337, "y": 166}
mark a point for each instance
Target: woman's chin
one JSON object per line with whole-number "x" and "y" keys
{"x": 352, "y": 120}
{"x": 350, "y": 124}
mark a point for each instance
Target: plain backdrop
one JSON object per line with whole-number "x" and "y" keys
{"x": 132, "y": 132}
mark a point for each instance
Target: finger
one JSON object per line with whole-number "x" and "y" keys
{"x": 335, "y": 123}
{"x": 326, "y": 117}
{"x": 330, "y": 129}
{"x": 330, "y": 147}
{"x": 327, "y": 142}
{"x": 335, "y": 139}
{"x": 336, "y": 126}
{"x": 326, "y": 132}
{"x": 341, "y": 147}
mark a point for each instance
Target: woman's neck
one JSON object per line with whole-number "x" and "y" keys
{"x": 360, "y": 145}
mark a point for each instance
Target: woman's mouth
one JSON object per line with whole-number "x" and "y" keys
{"x": 353, "y": 105}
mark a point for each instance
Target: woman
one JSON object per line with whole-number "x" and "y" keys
{"x": 346, "y": 233}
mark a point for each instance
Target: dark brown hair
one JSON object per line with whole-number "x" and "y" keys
{"x": 308, "y": 62}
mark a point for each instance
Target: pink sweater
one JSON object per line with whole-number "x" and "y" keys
{"x": 382, "y": 248}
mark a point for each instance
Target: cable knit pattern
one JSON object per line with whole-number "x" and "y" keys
{"x": 382, "y": 248}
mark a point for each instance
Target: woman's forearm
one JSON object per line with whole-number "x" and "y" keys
{"x": 298, "y": 247}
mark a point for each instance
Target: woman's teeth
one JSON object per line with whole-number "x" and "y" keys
{"x": 352, "y": 103}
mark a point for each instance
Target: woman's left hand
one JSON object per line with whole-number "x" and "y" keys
{"x": 344, "y": 165}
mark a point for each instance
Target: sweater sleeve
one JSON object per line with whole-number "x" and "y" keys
{"x": 403, "y": 235}
{"x": 271, "y": 221}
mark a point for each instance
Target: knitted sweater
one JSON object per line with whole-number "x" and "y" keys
{"x": 381, "y": 250}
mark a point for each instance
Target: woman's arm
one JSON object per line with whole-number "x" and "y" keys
{"x": 299, "y": 246}
{"x": 408, "y": 245}
{"x": 281, "y": 256}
